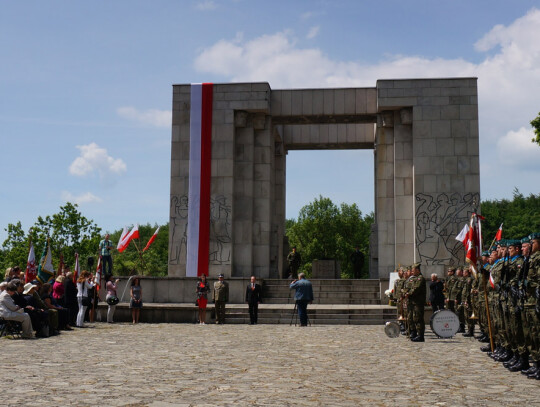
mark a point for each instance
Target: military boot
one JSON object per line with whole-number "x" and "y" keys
{"x": 496, "y": 352}
{"x": 419, "y": 338}
{"x": 505, "y": 356}
{"x": 484, "y": 339}
{"x": 461, "y": 328}
{"x": 521, "y": 364}
{"x": 531, "y": 370}
{"x": 480, "y": 335}
{"x": 486, "y": 348}
{"x": 513, "y": 360}
{"x": 470, "y": 332}
{"x": 535, "y": 375}
{"x": 413, "y": 335}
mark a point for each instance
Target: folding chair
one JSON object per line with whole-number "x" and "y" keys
{"x": 8, "y": 327}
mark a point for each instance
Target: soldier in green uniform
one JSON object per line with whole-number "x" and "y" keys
{"x": 416, "y": 295}
{"x": 449, "y": 289}
{"x": 479, "y": 286}
{"x": 407, "y": 286}
{"x": 467, "y": 300}
{"x": 500, "y": 299}
{"x": 398, "y": 297}
{"x": 220, "y": 295}
{"x": 520, "y": 360}
{"x": 531, "y": 306}
{"x": 295, "y": 260}
{"x": 458, "y": 288}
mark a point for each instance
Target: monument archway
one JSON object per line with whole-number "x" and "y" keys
{"x": 424, "y": 134}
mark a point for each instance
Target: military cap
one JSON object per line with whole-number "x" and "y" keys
{"x": 485, "y": 253}
{"x": 416, "y": 265}
{"x": 221, "y": 275}
{"x": 534, "y": 236}
{"x": 514, "y": 242}
{"x": 452, "y": 269}
{"x": 502, "y": 243}
{"x": 525, "y": 239}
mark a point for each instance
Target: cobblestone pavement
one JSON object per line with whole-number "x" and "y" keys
{"x": 264, "y": 365}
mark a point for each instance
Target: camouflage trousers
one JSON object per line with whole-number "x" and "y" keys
{"x": 418, "y": 318}
{"x": 531, "y": 331}
{"x": 515, "y": 331}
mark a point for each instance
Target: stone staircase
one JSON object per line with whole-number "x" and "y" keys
{"x": 342, "y": 302}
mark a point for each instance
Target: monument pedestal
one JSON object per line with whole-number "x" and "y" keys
{"x": 325, "y": 269}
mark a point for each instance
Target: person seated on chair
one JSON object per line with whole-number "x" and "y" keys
{"x": 63, "y": 313}
{"x": 38, "y": 317}
{"x": 12, "y": 312}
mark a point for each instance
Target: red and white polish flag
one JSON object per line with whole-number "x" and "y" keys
{"x": 200, "y": 158}
{"x": 31, "y": 268}
{"x": 463, "y": 236}
{"x": 151, "y": 239}
{"x": 124, "y": 243}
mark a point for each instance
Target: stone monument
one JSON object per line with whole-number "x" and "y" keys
{"x": 424, "y": 134}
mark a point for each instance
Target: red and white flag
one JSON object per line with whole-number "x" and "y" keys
{"x": 491, "y": 281}
{"x": 200, "y": 158}
{"x": 474, "y": 243}
{"x": 122, "y": 237}
{"x": 31, "y": 267}
{"x": 463, "y": 236}
{"x": 498, "y": 235}
{"x": 151, "y": 239}
{"x": 76, "y": 269}
{"x": 133, "y": 234}
{"x": 98, "y": 274}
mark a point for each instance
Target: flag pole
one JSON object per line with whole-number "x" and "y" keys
{"x": 140, "y": 256}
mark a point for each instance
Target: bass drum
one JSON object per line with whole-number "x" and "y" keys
{"x": 444, "y": 323}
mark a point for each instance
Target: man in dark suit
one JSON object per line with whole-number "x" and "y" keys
{"x": 253, "y": 298}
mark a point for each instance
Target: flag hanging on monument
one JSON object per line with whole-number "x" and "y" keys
{"x": 151, "y": 239}
{"x": 46, "y": 270}
{"x": 31, "y": 269}
{"x": 200, "y": 154}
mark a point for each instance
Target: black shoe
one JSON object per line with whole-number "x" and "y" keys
{"x": 531, "y": 370}
{"x": 468, "y": 334}
{"x": 523, "y": 363}
{"x": 535, "y": 375}
{"x": 419, "y": 338}
{"x": 461, "y": 329}
{"x": 505, "y": 357}
{"x": 484, "y": 339}
{"x": 486, "y": 348}
{"x": 512, "y": 361}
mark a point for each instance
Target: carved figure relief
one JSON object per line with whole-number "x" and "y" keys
{"x": 220, "y": 231}
{"x": 439, "y": 219}
{"x": 178, "y": 223}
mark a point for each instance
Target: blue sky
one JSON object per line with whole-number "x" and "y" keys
{"x": 86, "y": 89}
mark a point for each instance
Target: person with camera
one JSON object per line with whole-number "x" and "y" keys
{"x": 111, "y": 297}
{"x": 303, "y": 296}
{"x": 84, "y": 285}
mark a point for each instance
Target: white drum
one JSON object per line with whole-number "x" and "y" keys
{"x": 444, "y": 323}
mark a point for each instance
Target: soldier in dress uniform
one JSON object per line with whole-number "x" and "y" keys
{"x": 416, "y": 295}
{"x": 220, "y": 295}
{"x": 458, "y": 288}
{"x": 479, "y": 285}
{"x": 295, "y": 260}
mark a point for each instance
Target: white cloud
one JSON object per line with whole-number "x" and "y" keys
{"x": 206, "y": 5}
{"x": 516, "y": 150}
{"x": 87, "y": 197}
{"x": 94, "y": 158}
{"x": 153, "y": 117}
{"x": 313, "y": 31}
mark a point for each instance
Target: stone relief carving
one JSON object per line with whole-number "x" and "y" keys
{"x": 439, "y": 219}
{"x": 178, "y": 223}
{"x": 220, "y": 230}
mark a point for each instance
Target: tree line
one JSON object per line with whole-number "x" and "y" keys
{"x": 323, "y": 230}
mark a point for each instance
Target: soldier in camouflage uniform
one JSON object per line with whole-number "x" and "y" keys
{"x": 407, "y": 286}
{"x": 398, "y": 297}
{"x": 449, "y": 289}
{"x": 220, "y": 295}
{"x": 531, "y": 306}
{"x": 520, "y": 360}
{"x": 416, "y": 295}
{"x": 458, "y": 288}
{"x": 468, "y": 302}
{"x": 480, "y": 287}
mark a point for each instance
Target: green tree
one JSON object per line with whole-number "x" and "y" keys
{"x": 521, "y": 216}
{"x": 325, "y": 231}
{"x": 535, "y": 123}
{"x": 69, "y": 231}
{"x": 154, "y": 261}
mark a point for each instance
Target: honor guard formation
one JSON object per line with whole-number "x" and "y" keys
{"x": 502, "y": 299}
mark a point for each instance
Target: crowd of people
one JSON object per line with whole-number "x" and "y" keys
{"x": 46, "y": 309}
{"x": 502, "y": 300}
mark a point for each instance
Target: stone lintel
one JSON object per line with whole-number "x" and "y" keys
{"x": 325, "y": 119}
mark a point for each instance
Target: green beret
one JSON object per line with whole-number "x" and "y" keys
{"x": 416, "y": 265}
{"x": 502, "y": 243}
{"x": 525, "y": 239}
{"x": 452, "y": 269}
{"x": 534, "y": 236}
{"x": 514, "y": 242}
{"x": 485, "y": 253}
